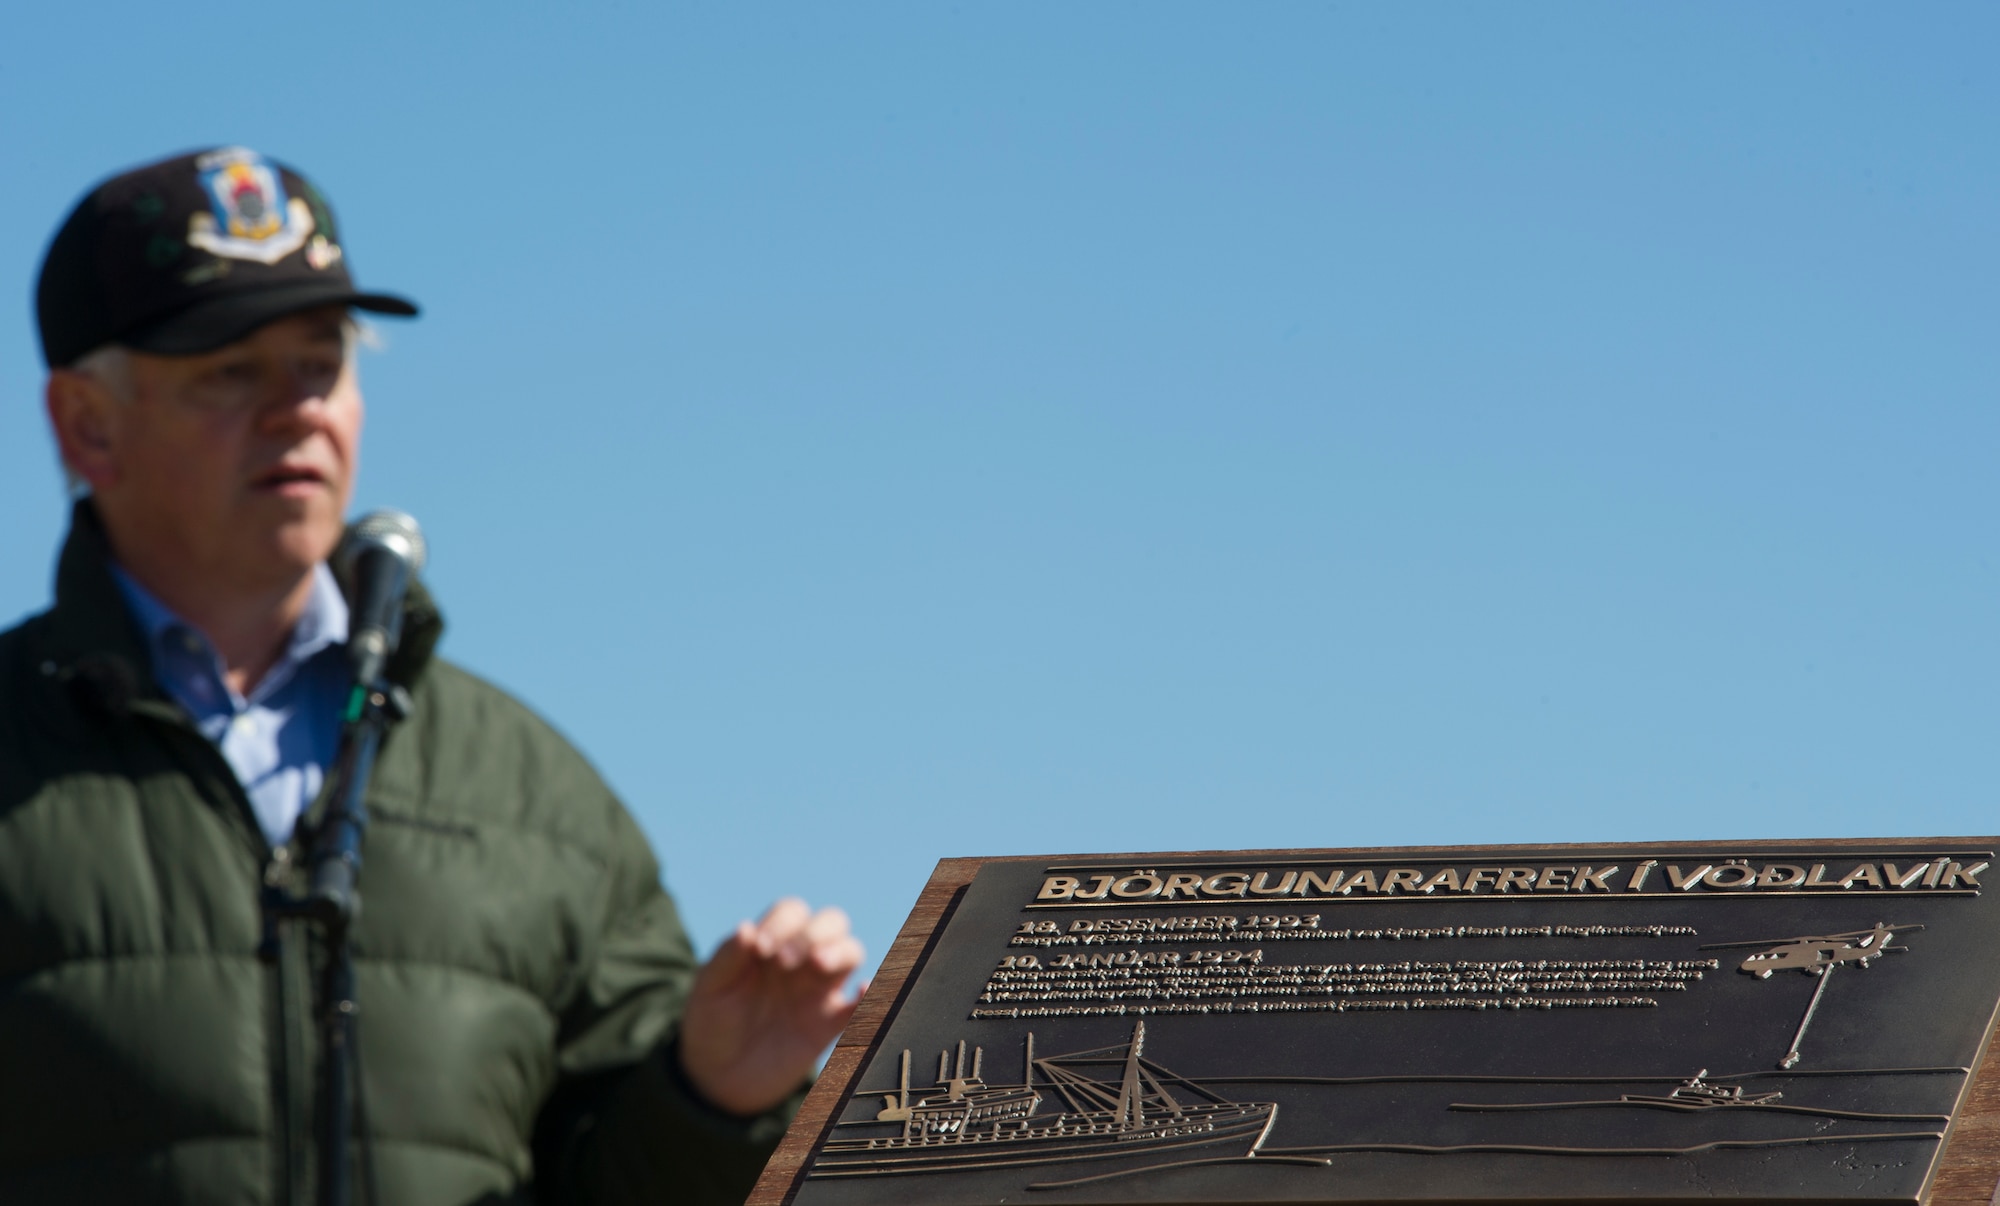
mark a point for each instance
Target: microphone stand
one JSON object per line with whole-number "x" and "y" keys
{"x": 332, "y": 903}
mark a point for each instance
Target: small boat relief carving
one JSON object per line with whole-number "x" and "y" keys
{"x": 1696, "y": 1095}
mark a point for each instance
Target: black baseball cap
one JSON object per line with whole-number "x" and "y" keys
{"x": 191, "y": 253}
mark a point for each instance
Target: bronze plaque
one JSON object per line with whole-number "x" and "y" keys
{"x": 1759, "y": 1022}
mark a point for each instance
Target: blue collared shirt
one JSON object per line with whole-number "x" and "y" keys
{"x": 281, "y": 738}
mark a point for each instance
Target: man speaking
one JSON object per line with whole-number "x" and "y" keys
{"x": 532, "y": 1025}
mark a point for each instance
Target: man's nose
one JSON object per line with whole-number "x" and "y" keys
{"x": 299, "y": 399}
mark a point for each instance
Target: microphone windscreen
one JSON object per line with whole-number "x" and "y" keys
{"x": 393, "y": 531}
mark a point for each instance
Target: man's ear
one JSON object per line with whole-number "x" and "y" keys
{"x": 79, "y": 408}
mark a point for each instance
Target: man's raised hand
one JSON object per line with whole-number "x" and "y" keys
{"x": 768, "y": 1002}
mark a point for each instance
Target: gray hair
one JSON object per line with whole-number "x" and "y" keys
{"x": 110, "y": 365}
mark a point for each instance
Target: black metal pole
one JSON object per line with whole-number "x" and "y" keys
{"x": 336, "y": 1121}
{"x": 333, "y": 902}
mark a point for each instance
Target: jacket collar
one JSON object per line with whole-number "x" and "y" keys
{"x": 91, "y": 620}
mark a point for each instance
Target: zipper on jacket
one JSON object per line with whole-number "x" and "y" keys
{"x": 292, "y": 1010}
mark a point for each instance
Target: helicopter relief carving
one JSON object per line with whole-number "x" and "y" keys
{"x": 1819, "y": 956}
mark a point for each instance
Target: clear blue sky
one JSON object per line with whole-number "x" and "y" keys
{"x": 880, "y": 433}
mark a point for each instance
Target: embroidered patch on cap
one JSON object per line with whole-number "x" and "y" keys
{"x": 251, "y": 217}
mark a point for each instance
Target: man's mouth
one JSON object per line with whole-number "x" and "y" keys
{"x": 289, "y": 479}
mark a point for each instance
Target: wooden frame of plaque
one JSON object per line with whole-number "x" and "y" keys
{"x": 1755, "y": 1021}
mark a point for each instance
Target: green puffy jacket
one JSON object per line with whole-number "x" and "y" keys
{"x": 519, "y": 967}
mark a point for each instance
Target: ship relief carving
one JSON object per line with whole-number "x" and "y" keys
{"x": 1133, "y": 1116}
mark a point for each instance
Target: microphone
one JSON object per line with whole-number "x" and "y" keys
{"x": 379, "y": 556}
